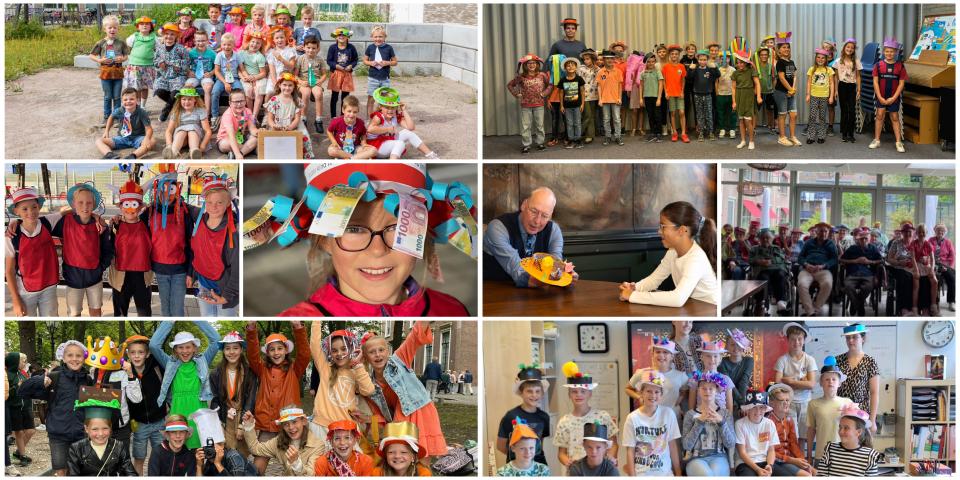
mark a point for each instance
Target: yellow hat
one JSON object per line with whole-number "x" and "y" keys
{"x": 104, "y": 354}
{"x": 548, "y": 269}
{"x": 401, "y": 432}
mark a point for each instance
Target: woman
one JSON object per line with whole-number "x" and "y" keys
{"x": 900, "y": 258}
{"x": 686, "y": 359}
{"x": 690, "y": 261}
{"x": 862, "y": 385}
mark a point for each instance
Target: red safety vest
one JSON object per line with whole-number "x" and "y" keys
{"x": 133, "y": 247}
{"x": 36, "y": 258}
{"x": 207, "y": 248}
{"x": 168, "y": 244}
{"x": 81, "y": 243}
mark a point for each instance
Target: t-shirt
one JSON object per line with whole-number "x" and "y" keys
{"x": 847, "y": 72}
{"x": 206, "y": 60}
{"x": 743, "y": 79}
{"x": 195, "y": 117}
{"x": 228, "y": 66}
{"x": 239, "y": 124}
{"x": 570, "y": 431}
{"x": 537, "y": 469}
{"x": 674, "y": 75}
{"x": 721, "y": 397}
{"x": 305, "y": 64}
{"x": 651, "y": 82}
{"x": 343, "y": 132}
{"x": 650, "y": 438}
{"x": 287, "y": 54}
{"x": 789, "y": 70}
{"x": 610, "y": 83}
{"x": 766, "y": 77}
{"x": 704, "y": 79}
{"x": 118, "y": 48}
{"x": 823, "y": 416}
{"x": 571, "y": 91}
{"x": 131, "y": 123}
{"x": 838, "y": 461}
{"x": 756, "y": 438}
{"x": 589, "y": 76}
{"x": 725, "y": 87}
{"x": 567, "y": 48}
{"x": 538, "y": 421}
{"x": 673, "y": 381}
{"x": 822, "y": 78}
{"x": 580, "y": 468}
{"x": 214, "y": 32}
{"x": 253, "y": 62}
{"x": 889, "y": 76}
{"x": 386, "y": 54}
{"x": 797, "y": 370}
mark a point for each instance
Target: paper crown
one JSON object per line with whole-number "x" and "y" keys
{"x": 664, "y": 343}
{"x": 341, "y": 31}
{"x": 289, "y": 415}
{"x": 547, "y": 268}
{"x": 649, "y": 376}
{"x": 405, "y": 432}
{"x": 891, "y": 42}
{"x": 104, "y": 354}
{"x": 783, "y": 37}
{"x": 23, "y": 194}
{"x": 739, "y": 338}
{"x": 715, "y": 378}
{"x": 855, "y": 329}
{"x": 830, "y": 366}
{"x": 853, "y": 410}
{"x": 576, "y": 378}
{"x": 711, "y": 346}
{"x": 596, "y": 431}
{"x": 131, "y": 190}
{"x": 343, "y": 425}
{"x": 521, "y": 430}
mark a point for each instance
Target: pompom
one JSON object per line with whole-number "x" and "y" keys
{"x": 570, "y": 369}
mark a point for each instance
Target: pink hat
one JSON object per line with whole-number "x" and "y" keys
{"x": 664, "y": 343}
{"x": 711, "y": 346}
{"x": 740, "y": 338}
{"x": 853, "y": 410}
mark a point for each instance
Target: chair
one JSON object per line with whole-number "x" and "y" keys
{"x": 814, "y": 289}
{"x": 879, "y": 273}
{"x": 762, "y": 306}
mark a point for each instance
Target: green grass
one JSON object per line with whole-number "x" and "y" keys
{"x": 459, "y": 422}
{"x": 56, "y": 49}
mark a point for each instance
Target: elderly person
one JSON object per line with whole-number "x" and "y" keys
{"x": 945, "y": 257}
{"x": 782, "y": 239}
{"x": 513, "y": 236}
{"x": 735, "y": 265}
{"x": 817, "y": 258}
{"x": 860, "y": 279}
{"x": 903, "y": 268}
{"x": 753, "y": 232}
{"x": 768, "y": 263}
{"x": 876, "y": 239}
{"x": 844, "y": 241}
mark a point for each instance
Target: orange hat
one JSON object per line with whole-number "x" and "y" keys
{"x": 170, "y": 26}
{"x": 521, "y": 430}
{"x": 347, "y": 425}
{"x": 277, "y": 337}
{"x": 237, "y": 10}
{"x": 131, "y": 191}
{"x": 136, "y": 338}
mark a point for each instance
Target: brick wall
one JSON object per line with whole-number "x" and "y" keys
{"x": 462, "y": 13}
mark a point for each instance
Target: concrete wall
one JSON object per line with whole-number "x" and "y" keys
{"x": 422, "y": 49}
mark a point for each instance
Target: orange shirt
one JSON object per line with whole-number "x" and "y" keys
{"x": 622, "y": 66}
{"x": 361, "y": 464}
{"x": 673, "y": 78}
{"x": 421, "y": 471}
{"x": 610, "y": 83}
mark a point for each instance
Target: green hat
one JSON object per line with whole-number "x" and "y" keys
{"x": 93, "y": 408}
{"x": 282, "y": 11}
{"x": 386, "y": 96}
{"x": 342, "y": 31}
{"x": 188, "y": 92}
{"x": 185, "y": 11}
{"x": 703, "y": 52}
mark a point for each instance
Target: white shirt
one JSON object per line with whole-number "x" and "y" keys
{"x": 756, "y": 438}
{"x": 673, "y": 381}
{"x": 650, "y": 438}
{"x": 790, "y": 367}
{"x": 692, "y": 274}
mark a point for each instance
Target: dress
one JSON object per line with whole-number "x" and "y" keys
{"x": 745, "y": 95}
{"x": 186, "y": 398}
{"x": 176, "y": 61}
{"x": 192, "y": 121}
{"x": 140, "y": 72}
{"x": 283, "y": 114}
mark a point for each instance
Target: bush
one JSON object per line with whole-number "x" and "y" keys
{"x": 21, "y": 29}
{"x": 57, "y": 48}
{"x": 167, "y": 12}
{"x": 365, "y": 12}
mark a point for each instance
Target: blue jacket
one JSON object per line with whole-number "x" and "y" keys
{"x": 403, "y": 380}
{"x": 816, "y": 253}
{"x": 432, "y": 372}
{"x": 172, "y": 364}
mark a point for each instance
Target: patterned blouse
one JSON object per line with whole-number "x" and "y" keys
{"x": 857, "y": 385}
{"x": 176, "y": 61}
{"x": 688, "y": 363}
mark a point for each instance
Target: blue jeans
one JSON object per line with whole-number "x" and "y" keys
{"x": 572, "y": 116}
{"x": 211, "y": 310}
{"x": 218, "y": 89}
{"x": 111, "y": 95}
{"x": 172, "y": 290}
{"x": 146, "y": 432}
{"x": 710, "y": 466}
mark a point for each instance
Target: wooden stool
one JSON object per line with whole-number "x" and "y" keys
{"x": 924, "y": 127}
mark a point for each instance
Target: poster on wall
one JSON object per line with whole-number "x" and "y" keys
{"x": 937, "y": 33}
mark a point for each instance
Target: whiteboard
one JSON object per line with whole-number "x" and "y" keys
{"x": 881, "y": 344}
{"x": 607, "y": 395}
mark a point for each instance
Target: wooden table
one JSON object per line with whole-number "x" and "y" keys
{"x": 736, "y": 292}
{"x": 581, "y": 299}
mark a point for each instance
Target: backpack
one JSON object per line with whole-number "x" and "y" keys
{"x": 458, "y": 462}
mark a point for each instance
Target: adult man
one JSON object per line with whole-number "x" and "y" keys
{"x": 432, "y": 373}
{"x": 517, "y": 235}
{"x": 767, "y": 260}
{"x": 569, "y": 47}
{"x": 817, "y": 257}
{"x": 860, "y": 279}
{"x": 782, "y": 239}
{"x": 844, "y": 241}
{"x": 945, "y": 257}
{"x": 468, "y": 382}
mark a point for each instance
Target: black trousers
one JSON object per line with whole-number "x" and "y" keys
{"x": 559, "y": 124}
{"x": 904, "y": 289}
{"x": 777, "y": 279}
{"x": 169, "y": 98}
{"x": 949, "y": 277}
{"x": 656, "y": 126}
{"x": 848, "y": 108}
{"x": 133, "y": 287}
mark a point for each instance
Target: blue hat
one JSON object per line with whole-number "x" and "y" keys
{"x": 855, "y": 329}
{"x": 830, "y": 366}
{"x": 97, "y": 199}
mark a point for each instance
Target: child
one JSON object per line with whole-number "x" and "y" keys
{"x": 133, "y": 129}
{"x": 569, "y": 440}
{"x": 140, "y": 72}
{"x": 400, "y": 452}
{"x": 830, "y": 46}
{"x": 853, "y": 455}
{"x": 610, "y": 87}
{"x": 173, "y": 62}
{"x": 285, "y": 111}
{"x": 524, "y": 445}
{"x": 572, "y": 86}
{"x": 174, "y": 458}
{"x": 189, "y": 126}
{"x": 216, "y": 252}
{"x": 619, "y": 48}
{"x": 531, "y": 387}
{"x": 342, "y": 59}
{"x": 848, "y": 69}
{"x": 708, "y": 436}
{"x": 674, "y": 397}
{"x": 661, "y": 50}
{"x": 306, "y": 29}
{"x": 202, "y": 60}
{"x": 187, "y": 30}
{"x": 531, "y": 87}
{"x": 391, "y": 127}
{"x": 394, "y": 376}
{"x": 279, "y": 376}
{"x": 823, "y": 413}
{"x": 765, "y": 70}
{"x": 214, "y": 28}
{"x": 788, "y": 452}
{"x": 312, "y": 72}
{"x": 99, "y": 454}
{"x": 650, "y": 432}
{"x": 379, "y": 56}
{"x": 757, "y": 439}
{"x": 820, "y": 92}
{"x": 149, "y": 417}
{"x": 889, "y": 79}
{"x": 343, "y": 459}
{"x": 798, "y": 370}
{"x": 237, "y": 135}
{"x": 348, "y": 135}
{"x": 588, "y": 72}
{"x": 785, "y": 91}
{"x": 234, "y": 387}
{"x": 129, "y": 275}
{"x": 226, "y": 70}
{"x": 254, "y": 72}
{"x": 596, "y": 462}
{"x": 726, "y": 117}
{"x": 710, "y": 352}
{"x": 295, "y": 445}
{"x": 747, "y": 95}
{"x": 32, "y": 267}
{"x": 110, "y": 55}
{"x": 736, "y": 366}
{"x": 705, "y": 80}
{"x": 651, "y": 85}
{"x": 185, "y": 386}
{"x": 281, "y": 58}
{"x": 87, "y": 250}
{"x": 674, "y": 79}
{"x": 338, "y": 360}
{"x": 258, "y": 23}
{"x": 237, "y": 27}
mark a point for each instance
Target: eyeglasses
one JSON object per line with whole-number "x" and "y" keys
{"x": 237, "y": 102}
{"x": 662, "y": 226}
{"x": 538, "y": 214}
{"x": 357, "y": 238}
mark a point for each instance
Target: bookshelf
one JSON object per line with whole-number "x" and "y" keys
{"x": 907, "y": 417}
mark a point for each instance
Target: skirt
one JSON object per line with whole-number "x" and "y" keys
{"x": 746, "y": 102}
{"x": 340, "y": 81}
{"x": 636, "y": 98}
{"x": 139, "y": 77}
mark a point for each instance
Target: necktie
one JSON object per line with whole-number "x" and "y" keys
{"x": 528, "y": 247}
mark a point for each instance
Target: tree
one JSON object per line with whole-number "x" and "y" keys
{"x": 28, "y": 339}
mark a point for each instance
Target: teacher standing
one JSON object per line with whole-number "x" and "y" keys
{"x": 863, "y": 375}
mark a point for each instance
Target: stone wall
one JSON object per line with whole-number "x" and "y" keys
{"x": 459, "y": 13}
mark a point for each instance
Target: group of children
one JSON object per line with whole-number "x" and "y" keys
{"x": 698, "y": 413}
{"x": 166, "y": 240}
{"x": 371, "y": 416}
{"x": 725, "y": 89}
{"x": 270, "y": 73}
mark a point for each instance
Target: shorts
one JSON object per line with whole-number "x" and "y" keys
{"x": 259, "y": 88}
{"x": 119, "y": 143}
{"x": 892, "y": 108}
{"x": 769, "y": 102}
{"x": 676, "y": 103}
{"x": 787, "y": 467}
{"x": 624, "y": 99}
{"x": 799, "y": 412}
{"x": 22, "y": 418}
{"x": 58, "y": 453}
{"x": 193, "y": 82}
{"x": 373, "y": 84}
{"x": 146, "y": 432}
{"x": 785, "y": 104}
{"x": 75, "y": 296}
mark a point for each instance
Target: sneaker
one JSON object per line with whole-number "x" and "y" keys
{"x": 11, "y": 471}
{"x": 24, "y": 460}
{"x": 821, "y": 141}
{"x": 743, "y": 143}
{"x": 712, "y": 137}
{"x": 685, "y": 138}
{"x": 844, "y": 139}
{"x": 568, "y": 146}
{"x": 541, "y": 147}
{"x": 579, "y": 145}
{"x": 673, "y": 138}
{"x": 132, "y": 156}
{"x": 651, "y": 138}
{"x": 167, "y": 153}
{"x": 783, "y": 141}
{"x": 853, "y": 139}
{"x": 723, "y": 134}
{"x": 733, "y": 134}
{"x": 588, "y": 140}
{"x": 606, "y": 140}
{"x": 951, "y": 307}
{"x": 795, "y": 141}
{"x": 318, "y": 125}
{"x": 750, "y": 146}
{"x": 620, "y": 141}
{"x": 553, "y": 143}
{"x": 215, "y": 123}
{"x": 231, "y": 156}
{"x": 103, "y": 123}
{"x": 663, "y": 131}
{"x": 196, "y": 154}
{"x": 810, "y": 140}
{"x": 900, "y": 147}
{"x": 700, "y": 137}
{"x": 875, "y": 143}
{"x": 110, "y": 155}
{"x": 525, "y": 150}
{"x": 658, "y": 139}
{"x": 830, "y": 131}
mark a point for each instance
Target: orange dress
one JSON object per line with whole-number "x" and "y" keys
{"x": 421, "y": 472}
{"x": 361, "y": 464}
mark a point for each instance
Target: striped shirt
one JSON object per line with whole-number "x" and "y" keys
{"x": 837, "y": 461}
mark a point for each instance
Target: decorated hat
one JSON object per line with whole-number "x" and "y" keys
{"x": 177, "y": 425}
{"x": 597, "y": 432}
{"x": 608, "y": 54}
{"x": 891, "y": 42}
{"x": 571, "y": 59}
{"x": 346, "y": 32}
{"x": 145, "y": 19}
{"x": 569, "y": 21}
{"x": 843, "y": 227}
{"x": 823, "y": 225}
{"x": 22, "y": 195}
{"x": 712, "y": 44}
{"x": 187, "y": 92}
{"x": 649, "y": 376}
{"x": 547, "y": 268}
{"x": 349, "y": 339}
{"x": 185, "y": 11}
{"x": 850, "y": 40}
{"x": 768, "y": 37}
{"x": 741, "y": 50}
{"x": 830, "y": 366}
{"x": 277, "y": 337}
{"x": 251, "y": 34}
{"x": 136, "y": 339}
{"x": 906, "y": 226}
{"x": 232, "y": 337}
{"x": 98, "y": 402}
{"x": 787, "y": 326}
{"x": 704, "y": 52}
{"x": 861, "y": 231}
{"x": 663, "y": 343}
{"x": 131, "y": 191}
{"x": 401, "y": 432}
{"x": 711, "y": 346}
{"x": 765, "y": 231}
{"x": 291, "y": 414}
{"x": 875, "y": 232}
{"x": 783, "y": 227}
{"x": 589, "y": 51}
{"x": 213, "y": 182}
{"x": 104, "y": 354}
{"x": 530, "y": 57}
{"x": 88, "y": 186}
{"x": 282, "y": 10}
{"x": 164, "y": 186}
{"x": 237, "y": 10}
{"x": 618, "y": 43}
{"x": 783, "y": 37}
{"x": 820, "y": 51}
{"x": 754, "y": 223}
{"x": 343, "y": 425}
{"x": 739, "y": 230}
{"x": 796, "y": 230}
{"x": 674, "y": 46}
{"x": 576, "y": 378}
{"x": 529, "y": 373}
{"x": 63, "y": 348}
{"x": 739, "y": 338}
{"x": 287, "y": 33}
{"x": 755, "y": 398}
{"x": 855, "y": 329}
{"x": 184, "y": 337}
{"x": 170, "y": 26}
{"x": 716, "y": 378}
{"x": 387, "y": 96}
{"x": 778, "y": 386}
{"x": 521, "y": 430}
{"x": 853, "y": 410}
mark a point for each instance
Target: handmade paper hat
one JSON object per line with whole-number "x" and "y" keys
{"x": 796, "y": 230}
{"x": 764, "y": 231}
{"x": 754, "y": 223}
{"x": 281, "y": 10}
{"x": 705, "y": 53}
{"x": 740, "y": 338}
{"x": 768, "y": 37}
{"x": 63, "y": 347}
{"x": 608, "y": 54}
{"x": 554, "y": 68}
{"x": 401, "y": 432}
{"x": 97, "y": 199}
{"x": 855, "y": 329}
{"x": 711, "y": 346}
{"x": 786, "y": 328}
{"x": 387, "y": 96}
{"x": 861, "y": 232}
{"x": 346, "y": 32}
{"x": 238, "y": 10}
{"x": 783, "y": 227}
{"x": 185, "y": 11}
{"x": 830, "y": 366}
{"x": 712, "y": 44}
{"x": 589, "y": 51}
{"x": 674, "y": 46}
{"x": 597, "y": 432}
{"x": 521, "y": 430}
{"x": 906, "y": 226}
{"x": 290, "y": 414}
{"x": 853, "y": 410}
{"x": 349, "y": 340}
{"x": 104, "y": 354}
{"x": 152, "y": 22}
{"x": 569, "y": 21}
{"x": 649, "y": 376}
{"x": 778, "y": 386}
{"x": 741, "y": 50}
{"x": 251, "y": 34}
{"x": 177, "y": 426}
{"x": 170, "y": 26}
{"x": 618, "y": 43}
{"x": 213, "y": 182}
{"x": 136, "y": 339}
{"x": 663, "y": 343}
{"x": 287, "y": 33}
{"x": 547, "y": 268}
{"x": 715, "y": 378}
{"x": 277, "y": 337}
{"x": 98, "y": 402}
{"x": 571, "y": 59}
{"x": 343, "y": 425}
{"x": 850, "y": 40}
{"x": 184, "y": 337}
{"x": 820, "y": 51}
{"x": 783, "y": 37}
{"x": 891, "y": 42}
{"x": 164, "y": 186}
{"x": 576, "y": 378}
{"x": 22, "y": 195}
{"x": 530, "y": 57}
{"x": 131, "y": 191}
{"x": 739, "y": 230}
{"x": 823, "y": 225}
{"x": 187, "y": 92}
{"x": 755, "y": 398}
{"x": 208, "y": 425}
{"x": 529, "y": 373}
{"x": 232, "y": 337}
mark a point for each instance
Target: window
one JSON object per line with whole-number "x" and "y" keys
{"x": 897, "y": 208}
{"x": 445, "y": 349}
{"x": 856, "y": 205}
{"x": 815, "y": 207}
{"x": 729, "y": 202}
{"x": 944, "y": 208}
{"x": 817, "y": 178}
{"x": 333, "y": 8}
{"x": 939, "y": 182}
{"x": 730, "y": 175}
{"x": 858, "y": 179}
{"x": 774, "y": 212}
{"x": 900, "y": 181}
